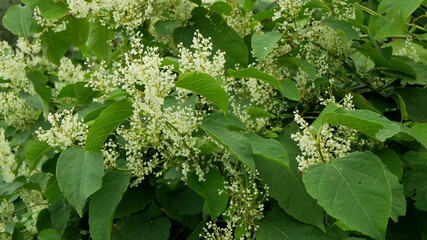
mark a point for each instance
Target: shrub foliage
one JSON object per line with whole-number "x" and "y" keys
{"x": 232, "y": 119}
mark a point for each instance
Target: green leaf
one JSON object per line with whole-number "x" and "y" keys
{"x": 415, "y": 186}
{"x": 34, "y": 151}
{"x": 238, "y": 145}
{"x": 205, "y": 85}
{"x": 135, "y": 199}
{"x": 106, "y": 122}
{"x": 257, "y": 112}
{"x": 48, "y": 8}
{"x": 222, "y": 36}
{"x": 395, "y": 15}
{"x": 291, "y": 90}
{"x": 209, "y": 190}
{"x": 55, "y": 45}
{"x": 165, "y": 28}
{"x": 364, "y": 121}
{"x": 392, "y": 161}
{"x": 303, "y": 65}
{"x": 398, "y": 207}
{"x": 278, "y": 225}
{"x": 415, "y": 101}
{"x": 316, "y": 4}
{"x": 84, "y": 94}
{"x": 104, "y": 202}
{"x": 419, "y": 132}
{"x": 264, "y": 44}
{"x": 287, "y": 188}
{"x": 354, "y": 189}
{"x": 139, "y": 227}
{"x": 288, "y": 92}
{"x": 49, "y": 234}
{"x": 60, "y": 212}
{"x": 220, "y": 8}
{"x": 8, "y": 188}
{"x": 342, "y": 25}
{"x": 19, "y": 20}
{"x": 269, "y": 149}
{"x": 79, "y": 175}
{"x": 79, "y": 31}
{"x": 99, "y": 40}
{"x": 39, "y": 81}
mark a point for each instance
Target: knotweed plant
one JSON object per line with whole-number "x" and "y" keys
{"x": 231, "y": 119}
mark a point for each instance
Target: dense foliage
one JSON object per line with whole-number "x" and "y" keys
{"x": 232, "y": 119}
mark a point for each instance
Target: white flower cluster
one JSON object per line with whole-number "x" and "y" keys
{"x": 35, "y": 202}
{"x": 15, "y": 111}
{"x": 52, "y": 24}
{"x": 7, "y": 159}
{"x": 69, "y": 73}
{"x": 197, "y": 60}
{"x": 7, "y": 215}
{"x": 409, "y": 50}
{"x": 246, "y": 203}
{"x": 67, "y": 130}
{"x": 330, "y": 142}
{"x": 131, "y": 13}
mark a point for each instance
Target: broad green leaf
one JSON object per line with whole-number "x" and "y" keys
{"x": 34, "y": 151}
{"x": 316, "y": 4}
{"x": 53, "y": 192}
{"x": 269, "y": 149}
{"x": 415, "y": 186}
{"x": 39, "y": 81}
{"x": 419, "y": 132}
{"x": 413, "y": 158}
{"x": 60, "y": 212}
{"x": 232, "y": 122}
{"x": 19, "y": 20}
{"x": 354, "y": 189}
{"x": 79, "y": 31}
{"x": 222, "y": 36}
{"x": 220, "y": 8}
{"x": 104, "y": 202}
{"x": 264, "y": 44}
{"x": 383, "y": 62}
{"x": 84, "y": 94}
{"x": 205, "y": 85}
{"x": 139, "y": 227}
{"x": 106, "y": 122}
{"x": 415, "y": 101}
{"x": 79, "y": 175}
{"x": 278, "y": 225}
{"x": 395, "y": 15}
{"x": 99, "y": 40}
{"x": 238, "y": 145}
{"x": 49, "y": 8}
{"x": 342, "y": 25}
{"x": 55, "y": 45}
{"x": 49, "y": 234}
{"x": 303, "y": 65}
{"x": 257, "y": 112}
{"x": 364, "y": 121}
{"x": 205, "y": 146}
{"x": 287, "y": 188}
{"x": 8, "y": 188}
{"x": 209, "y": 190}
{"x": 291, "y": 90}
{"x": 165, "y": 28}
{"x": 392, "y": 161}
{"x": 288, "y": 90}
{"x": 398, "y": 205}
{"x": 181, "y": 200}
{"x": 165, "y": 197}
{"x": 135, "y": 199}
